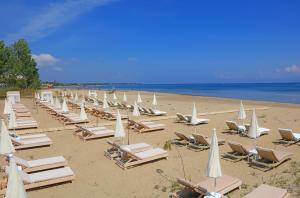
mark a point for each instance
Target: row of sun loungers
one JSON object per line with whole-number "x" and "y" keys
{"x": 23, "y": 117}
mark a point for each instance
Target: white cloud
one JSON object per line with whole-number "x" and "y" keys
{"x": 54, "y": 16}
{"x": 44, "y": 59}
{"x": 293, "y": 69}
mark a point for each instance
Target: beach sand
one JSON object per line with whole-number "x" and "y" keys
{"x": 96, "y": 176}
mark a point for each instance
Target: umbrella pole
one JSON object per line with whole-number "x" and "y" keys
{"x": 128, "y": 127}
{"x": 215, "y": 185}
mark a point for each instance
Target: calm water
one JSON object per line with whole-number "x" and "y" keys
{"x": 276, "y": 92}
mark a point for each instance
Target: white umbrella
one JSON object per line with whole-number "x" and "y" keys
{"x": 72, "y": 96}
{"x": 213, "y": 167}
{"x": 12, "y": 122}
{"x": 51, "y": 100}
{"x": 76, "y": 98}
{"x": 6, "y": 107}
{"x": 65, "y": 108}
{"x": 253, "y": 131}
{"x": 38, "y": 96}
{"x": 124, "y": 98}
{"x": 15, "y": 186}
{"x": 115, "y": 97}
{"x": 6, "y": 146}
{"x": 154, "y": 102}
{"x": 83, "y": 115}
{"x": 57, "y": 103}
{"x": 105, "y": 96}
{"x": 242, "y": 113}
{"x": 105, "y": 104}
{"x": 139, "y": 99}
{"x": 194, "y": 118}
{"x": 136, "y": 111}
{"x": 96, "y": 103}
{"x": 119, "y": 132}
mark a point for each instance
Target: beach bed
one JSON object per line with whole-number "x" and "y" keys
{"x": 288, "y": 137}
{"x": 239, "y": 152}
{"x": 233, "y": 126}
{"x": 145, "y": 126}
{"x": 268, "y": 191}
{"x": 202, "y": 142}
{"x": 31, "y": 143}
{"x": 182, "y": 139}
{"x": 88, "y": 133}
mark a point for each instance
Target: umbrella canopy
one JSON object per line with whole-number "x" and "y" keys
{"x": 95, "y": 103}
{"x": 12, "y": 122}
{"x": 136, "y": 111}
{"x": 57, "y": 103}
{"x": 242, "y": 113}
{"x": 139, "y": 99}
{"x": 15, "y": 186}
{"x": 105, "y": 96}
{"x": 253, "y": 131}
{"x": 154, "y": 102}
{"x": 194, "y": 115}
{"x": 65, "y": 108}
{"x": 72, "y": 96}
{"x": 76, "y": 97}
{"x": 6, "y": 107}
{"x": 82, "y": 115}
{"x": 124, "y": 98}
{"x": 119, "y": 132}
{"x": 115, "y": 97}
{"x": 51, "y": 100}
{"x": 213, "y": 167}
{"x": 6, "y": 146}
{"x": 105, "y": 104}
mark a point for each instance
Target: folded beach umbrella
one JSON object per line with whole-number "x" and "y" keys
{"x": 115, "y": 97}
{"x": 105, "y": 96}
{"x": 242, "y": 113}
{"x": 82, "y": 115}
{"x": 38, "y": 96}
{"x": 139, "y": 99}
{"x": 119, "y": 131}
{"x": 57, "y": 103}
{"x": 12, "y": 122}
{"x": 6, "y": 146}
{"x": 136, "y": 111}
{"x": 76, "y": 98}
{"x": 124, "y": 98}
{"x": 253, "y": 131}
{"x": 194, "y": 118}
{"x": 95, "y": 102}
{"x": 65, "y": 108}
{"x": 105, "y": 104}
{"x": 72, "y": 96}
{"x": 51, "y": 100}
{"x": 154, "y": 102}
{"x": 15, "y": 185}
{"x": 213, "y": 167}
{"x": 6, "y": 107}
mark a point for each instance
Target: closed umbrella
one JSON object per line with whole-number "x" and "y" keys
{"x": 242, "y": 113}
{"x": 253, "y": 131}
{"x": 139, "y": 99}
{"x": 6, "y": 146}
{"x": 76, "y": 98}
{"x": 124, "y": 98}
{"x": 82, "y": 115}
{"x": 119, "y": 131}
{"x": 136, "y": 111}
{"x": 105, "y": 104}
{"x": 154, "y": 102}
{"x": 194, "y": 118}
{"x": 115, "y": 97}
{"x": 65, "y": 108}
{"x": 57, "y": 103}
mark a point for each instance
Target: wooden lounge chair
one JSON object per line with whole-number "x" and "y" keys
{"x": 40, "y": 164}
{"x": 45, "y": 178}
{"x": 31, "y": 143}
{"x": 183, "y": 139}
{"x": 27, "y": 137}
{"x": 224, "y": 185}
{"x": 155, "y": 112}
{"x": 233, "y": 126}
{"x": 130, "y": 159}
{"x": 201, "y": 142}
{"x": 288, "y": 137}
{"x": 88, "y": 133}
{"x": 239, "y": 152}
{"x": 142, "y": 127}
{"x": 181, "y": 118}
{"x": 268, "y": 191}
{"x": 269, "y": 158}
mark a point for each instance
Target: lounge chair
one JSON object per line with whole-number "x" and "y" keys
{"x": 288, "y": 137}
{"x": 27, "y": 137}
{"x": 198, "y": 121}
{"x": 268, "y": 191}
{"x": 130, "y": 159}
{"x": 224, "y": 185}
{"x": 233, "y": 126}
{"x": 239, "y": 152}
{"x": 31, "y": 143}
{"x": 142, "y": 127}
{"x": 262, "y": 131}
{"x": 269, "y": 158}
{"x": 202, "y": 142}
{"x": 183, "y": 139}
{"x": 41, "y": 164}
{"x": 155, "y": 112}
{"x": 181, "y": 118}
{"x": 45, "y": 178}
{"x": 87, "y": 133}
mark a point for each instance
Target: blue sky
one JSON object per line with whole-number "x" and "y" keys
{"x": 158, "y": 41}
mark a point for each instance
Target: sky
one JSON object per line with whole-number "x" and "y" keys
{"x": 158, "y": 41}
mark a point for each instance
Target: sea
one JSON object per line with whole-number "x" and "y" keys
{"x": 274, "y": 92}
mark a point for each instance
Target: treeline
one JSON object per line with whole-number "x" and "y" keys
{"x": 17, "y": 68}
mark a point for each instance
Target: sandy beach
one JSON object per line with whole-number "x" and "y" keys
{"x": 97, "y": 176}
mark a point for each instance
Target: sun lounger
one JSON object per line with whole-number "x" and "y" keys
{"x": 88, "y": 133}
{"x": 41, "y": 164}
{"x": 130, "y": 159}
{"x": 31, "y": 143}
{"x": 183, "y": 139}
{"x": 45, "y": 178}
{"x": 262, "y": 131}
{"x": 201, "y": 142}
{"x": 181, "y": 118}
{"x": 233, "y": 126}
{"x": 199, "y": 121}
{"x": 268, "y": 191}
{"x": 239, "y": 152}
{"x": 269, "y": 158}
{"x": 288, "y": 137}
{"x": 142, "y": 127}
{"x": 27, "y": 137}
{"x": 224, "y": 185}
{"x": 155, "y": 112}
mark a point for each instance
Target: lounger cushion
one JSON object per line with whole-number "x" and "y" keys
{"x": 223, "y": 183}
{"x": 150, "y": 153}
{"x": 133, "y": 147}
{"x": 267, "y": 191}
{"x": 32, "y": 141}
{"x": 103, "y": 132}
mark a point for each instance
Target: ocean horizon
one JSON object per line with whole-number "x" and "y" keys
{"x": 274, "y": 92}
